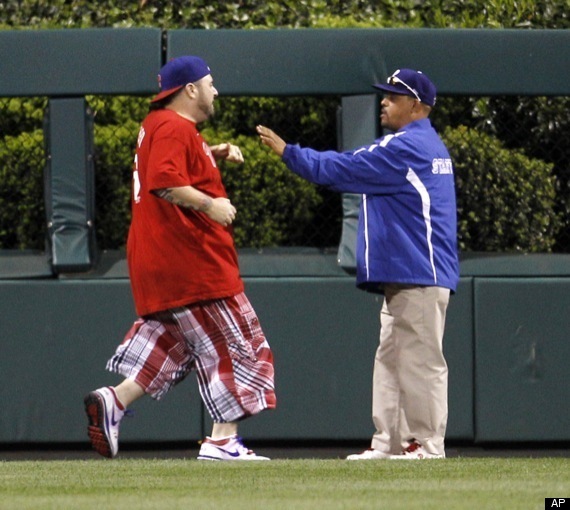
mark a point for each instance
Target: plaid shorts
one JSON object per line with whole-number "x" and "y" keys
{"x": 220, "y": 339}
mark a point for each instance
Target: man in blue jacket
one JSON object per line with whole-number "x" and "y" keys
{"x": 406, "y": 250}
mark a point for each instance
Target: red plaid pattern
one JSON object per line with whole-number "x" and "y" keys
{"x": 221, "y": 340}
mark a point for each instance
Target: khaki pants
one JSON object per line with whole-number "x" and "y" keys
{"x": 409, "y": 394}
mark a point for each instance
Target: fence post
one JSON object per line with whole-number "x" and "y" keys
{"x": 358, "y": 125}
{"x": 69, "y": 185}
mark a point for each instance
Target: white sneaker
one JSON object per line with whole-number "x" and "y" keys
{"x": 370, "y": 454}
{"x": 230, "y": 448}
{"x": 416, "y": 451}
{"x": 104, "y": 419}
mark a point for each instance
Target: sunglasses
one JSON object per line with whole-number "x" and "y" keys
{"x": 394, "y": 80}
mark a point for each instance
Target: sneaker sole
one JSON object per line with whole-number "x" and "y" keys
{"x": 237, "y": 459}
{"x": 94, "y": 408}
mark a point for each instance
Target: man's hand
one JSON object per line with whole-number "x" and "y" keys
{"x": 272, "y": 140}
{"x": 221, "y": 211}
{"x": 228, "y": 152}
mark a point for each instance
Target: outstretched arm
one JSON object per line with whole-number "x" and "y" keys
{"x": 271, "y": 139}
{"x": 348, "y": 172}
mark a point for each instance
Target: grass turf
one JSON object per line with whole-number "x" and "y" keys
{"x": 456, "y": 483}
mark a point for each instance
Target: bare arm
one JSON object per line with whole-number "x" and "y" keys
{"x": 218, "y": 209}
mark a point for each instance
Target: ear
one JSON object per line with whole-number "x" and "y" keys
{"x": 190, "y": 89}
{"x": 420, "y": 109}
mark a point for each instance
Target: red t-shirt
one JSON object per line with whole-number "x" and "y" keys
{"x": 177, "y": 256}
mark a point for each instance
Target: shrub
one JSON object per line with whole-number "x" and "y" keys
{"x": 22, "y": 222}
{"x": 21, "y": 114}
{"x": 272, "y": 202}
{"x": 505, "y": 200}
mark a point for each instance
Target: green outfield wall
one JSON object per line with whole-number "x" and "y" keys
{"x": 63, "y": 312}
{"x": 506, "y": 344}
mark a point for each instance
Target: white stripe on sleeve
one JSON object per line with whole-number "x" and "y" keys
{"x": 413, "y": 178}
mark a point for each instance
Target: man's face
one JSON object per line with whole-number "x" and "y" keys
{"x": 397, "y": 110}
{"x": 207, "y": 93}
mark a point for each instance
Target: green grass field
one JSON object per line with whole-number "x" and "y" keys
{"x": 455, "y": 483}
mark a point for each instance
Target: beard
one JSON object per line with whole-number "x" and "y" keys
{"x": 207, "y": 109}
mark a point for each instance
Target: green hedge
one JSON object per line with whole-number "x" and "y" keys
{"x": 284, "y": 13}
{"x": 498, "y": 211}
{"x": 272, "y": 202}
{"x": 506, "y": 201}
{"x": 22, "y": 210}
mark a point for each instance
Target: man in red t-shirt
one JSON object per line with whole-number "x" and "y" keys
{"x": 183, "y": 267}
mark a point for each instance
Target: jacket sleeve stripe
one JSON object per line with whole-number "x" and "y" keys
{"x": 415, "y": 181}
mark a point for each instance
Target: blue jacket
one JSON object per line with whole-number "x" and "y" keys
{"x": 407, "y": 231}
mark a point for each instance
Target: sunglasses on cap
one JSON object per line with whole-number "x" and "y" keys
{"x": 394, "y": 80}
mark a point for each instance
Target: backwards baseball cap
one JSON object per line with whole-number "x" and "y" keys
{"x": 177, "y": 73}
{"x": 410, "y": 83}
